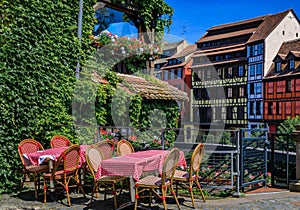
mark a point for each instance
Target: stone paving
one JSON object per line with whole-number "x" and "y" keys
{"x": 279, "y": 200}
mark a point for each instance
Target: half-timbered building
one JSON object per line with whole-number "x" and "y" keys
{"x": 282, "y": 85}
{"x": 229, "y": 66}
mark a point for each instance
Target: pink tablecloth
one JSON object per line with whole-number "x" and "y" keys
{"x": 135, "y": 164}
{"x": 37, "y": 158}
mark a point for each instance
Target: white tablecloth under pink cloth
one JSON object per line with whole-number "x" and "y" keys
{"x": 136, "y": 163}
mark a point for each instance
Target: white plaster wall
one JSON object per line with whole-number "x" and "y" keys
{"x": 290, "y": 26}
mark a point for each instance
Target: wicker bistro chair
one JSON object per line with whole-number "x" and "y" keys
{"x": 94, "y": 157}
{"x": 124, "y": 147}
{"x": 58, "y": 141}
{"x": 29, "y": 146}
{"x": 70, "y": 158}
{"x": 187, "y": 178}
{"x": 156, "y": 184}
{"x": 107, "y": 148}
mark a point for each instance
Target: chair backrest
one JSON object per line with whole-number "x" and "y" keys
{"x": 28, "y": 146}
{"x": 196, "y": 159}
{"x": 70, "y": 158}
{"x": 170, "y": 165}
{"x": 93, "y": 157}
{"x": 107, "y": 148}
{"x": 58, "y": 141}
{"x": 124, "y": 147}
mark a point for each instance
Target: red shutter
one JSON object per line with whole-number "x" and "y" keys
{"x": 288, "y": 108}
{"x": 266, "y": 108}
{"x": 297, "y": 107}
{"x": 279, "y": 107}
{"x": 293, "y": 85}
{"x": 270, "y": 87}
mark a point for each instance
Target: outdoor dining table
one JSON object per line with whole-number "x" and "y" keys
{"x": 51, "y": 155}
{"x": 135, "y": 164}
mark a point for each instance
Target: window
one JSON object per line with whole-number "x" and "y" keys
{"x": 258, "y": 87}
{"x": 288, "y": 86}
{"x": 179, "y": 73}
{"x": 241, "y": 91}
{"x": 292, "y": 64}
{"x": 166, "y": 75}
{"x": 158, "y": 76}
{"x": 240, "y": 112}
{"x": 229, "y": 112}
{"x": 258, "y": 108}
{"x": 229, "y": 71}
{"x": 251, "y": 88}
{"x": 278, "y": 66}
{"x": 283, "y": 32}
{"x": 241, "y": 71}
{"x": 252, "y": 70}
{"x": 208, "y": 74}
{"x": 278, "y": 107}
{"x": 252, "y": 107}
{"x": 270, "y": 108}
{"x": 172, "y": 74}
{"x": 229, "y": 92}
{"x": 259, "y": 69}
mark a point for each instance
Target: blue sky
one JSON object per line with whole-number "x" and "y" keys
{"x": 193, "y": 17}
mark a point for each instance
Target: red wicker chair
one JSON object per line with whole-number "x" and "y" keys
{"x": 154, "y": 184}
{"x": 70, "y": 158}
{"x": 124, "y": 147}
{"x": 29, "y": 146}
{"x": 188, "y": 178}
{"x": 60, "y": 141}
{"x": 93, "y": 158}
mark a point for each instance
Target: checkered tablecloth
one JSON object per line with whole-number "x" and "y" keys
{"x": 136, "y": 163}
{"x": 37, "y": 158}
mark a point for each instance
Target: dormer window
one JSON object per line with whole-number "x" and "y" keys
{"x": 292, "y": 64}
{"x": 278, "y": 66}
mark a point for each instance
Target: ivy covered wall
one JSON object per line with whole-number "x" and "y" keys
{"x": 38, "y": 55}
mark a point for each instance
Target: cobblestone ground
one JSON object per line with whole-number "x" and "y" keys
{"x": 280, "y": 200}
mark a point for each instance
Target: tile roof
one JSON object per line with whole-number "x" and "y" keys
{"x": 268, "y": 25}
{"x": 287, "y": 47}
{"x": 152, "y": 89}
{"x": 238, "y": 23}
{"x": 259, "y": 28}
{"x": 227, "y": 35}
{"x": 186, "y": 51}
{"x": 234, "y": 49}
{"x": 213, "y": 63}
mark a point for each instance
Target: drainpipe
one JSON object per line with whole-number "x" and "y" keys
{"x": 79, "y": 33}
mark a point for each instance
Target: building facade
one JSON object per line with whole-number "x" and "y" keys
{"x": 229, "y": 67}
{"x": 282, "y": 85}
{"x": 261, "y": 49}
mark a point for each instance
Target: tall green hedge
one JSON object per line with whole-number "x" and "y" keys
{"x": 38, "y": 55}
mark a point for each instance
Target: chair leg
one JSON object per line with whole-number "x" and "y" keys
{"x": 35, "y": 186}
{"x": 115, "y": 195}
{"x": 22, "y": 183}
{"x": 93, "y": 192}
{"x": 136, "y": 198}
{"x": 200, "y": 189}
{"x": 191, "y": 192}
{"x": 45, "y": 191}
{"x": 164, "y": 196}
{"x": 175, "y": 196}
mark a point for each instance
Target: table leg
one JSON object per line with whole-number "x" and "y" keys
{"x": 131, "y": 189}
{"x": 52, "y": 189}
